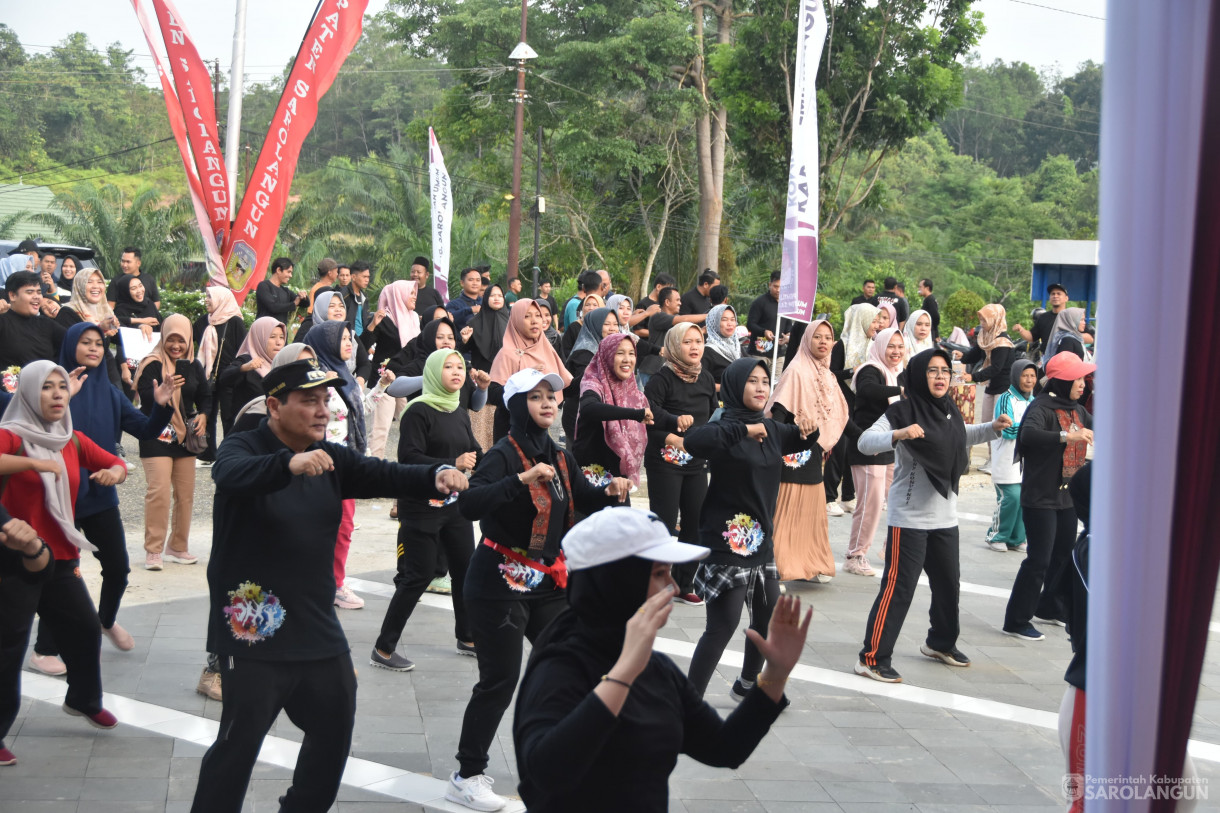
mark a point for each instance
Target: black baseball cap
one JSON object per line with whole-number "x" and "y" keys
{"x": 25, "y": 247}
{"x": 305, "y": 374}
{"x": 1055, "y": 286}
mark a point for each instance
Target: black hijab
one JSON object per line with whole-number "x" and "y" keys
{"x": 942, "y": 450}
{"x": 423, "y": 346}
{"x": 533, "y": 439}
{"x": 126, "y": 307}
{"x": 489, "y": 326}
{"x": 733, "y": 389}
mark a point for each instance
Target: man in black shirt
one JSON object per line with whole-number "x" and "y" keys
{"x": 427, "y": 298}
{"x": 890, "y": 295}
{"x": 272, "y": 298}
{"x": 26, "y": 334}
{"x": 869, "y": 297}
{"x": 1044, "y": 325}
{"x": 131, "y": 262}
{"x": 272, "y": 621}
{"x": 661, "y": 281}
{"x": 696, "y": 300}
{"x": 761, "y": 318}
{"x": 930, "y": 305}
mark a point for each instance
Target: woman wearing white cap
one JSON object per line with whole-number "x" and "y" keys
{"x": 601, "y": 717}
{"x": 524, "y": 492}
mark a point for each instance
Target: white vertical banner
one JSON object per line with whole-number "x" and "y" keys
{"x": 442, "y": 215}
{"x": 799, "y": 266}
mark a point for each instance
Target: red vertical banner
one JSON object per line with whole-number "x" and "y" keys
{"x": 194, "y": 87}
{"x": 331, "y": 37}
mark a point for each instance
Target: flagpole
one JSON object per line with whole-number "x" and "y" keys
{"x": 237, "y": 79}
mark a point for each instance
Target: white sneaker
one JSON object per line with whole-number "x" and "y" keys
{"x": 833, "y": 510}
{"x": 848, "y": 505}
{"x": 1000, "y": 546}
{"x": 474, "y": 792}
{"x": 822, "y": 578}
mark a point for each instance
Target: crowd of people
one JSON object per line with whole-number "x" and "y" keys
{"x": 744, "y": 466}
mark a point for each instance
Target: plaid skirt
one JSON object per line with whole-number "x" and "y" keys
{"x": 712, "y": 580}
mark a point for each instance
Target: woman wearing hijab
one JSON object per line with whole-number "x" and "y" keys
{"x": 334, "y": 346}
{"x": 807, "y": 388}
{"x": 744, "y": 451}
{"x": 482, "y": 338}
{"x": 218, "y": 334}
{"x": 917, "y": 332}
{"x": 400, "y": 325}
{"x": 888, "y": 317}
{"x": 624, "y": 309}
{"x": 610, "y": 435}
{"x": 681, "y": 395}
{"x": 601, "y": 718}
{"x": 101, "y": 412}
{"x": 587, "y": 305}
{"x": 875, "y": 384}
{"x": 64, "y": 277}
{"x": 134, "y": 308}
{"x": 1067, "y": 333}
{"x": 88, "y": 304}
{"x": 723, "y": 347}
{"x": 525, "y": 347}
{"x": 552, "y": 335}
{"x": 997, "y": 353}
{"x": 1052, "y": 444}
{"x": 41, "y": 459}
{"x": 328, "y": 307}
{"x": 859, "y": 328}
{"x": 596, "y": 326}
{"x": 242, "y": 381}
{"x": 169, "y": 466}
{"x": 525, "y": 493}
{"x": 434, "y": 430}
{"x": 1007, "y": 531}
{"x": 931, "y": 443}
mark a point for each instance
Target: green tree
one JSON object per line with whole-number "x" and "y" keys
{"x": 1067, "y": 121}
{"x": 989, "y": 125}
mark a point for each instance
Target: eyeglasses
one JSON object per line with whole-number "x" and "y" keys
{"x": 939, "y": 372}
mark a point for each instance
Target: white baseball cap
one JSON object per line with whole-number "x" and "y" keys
{"x": 525, "y": 380}
{"x": 616, "y": 533}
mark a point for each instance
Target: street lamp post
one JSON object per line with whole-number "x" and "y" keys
{"x": 520, "y": 55}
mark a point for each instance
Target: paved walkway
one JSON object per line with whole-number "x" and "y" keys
{"x": 947, "y": 739}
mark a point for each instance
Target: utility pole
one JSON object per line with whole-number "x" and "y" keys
{"x": 216, "y": 78}
{"x": 539, "y": 206}
{"x": 237, "y": 84}
{"x": 521, "y": 53}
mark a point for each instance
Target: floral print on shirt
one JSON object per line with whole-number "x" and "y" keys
{"x": 520, "y": 578}
{"x": 797, "y": 459}
{"x": 676, "y": 456}
{"x": 745, "y": 535}
{"x": 254, "y": 614}
{"x": 597, "y": 475}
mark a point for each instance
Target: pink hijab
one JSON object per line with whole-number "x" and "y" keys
{"x": 224, "y": 308}
{"x": 808, "y": 387}
{"x": 876, "y": 358}
{"x": 627, "y": 439}
{"x": 892, "y": 311}
{"x": 518, "y": 352}
{"x": 393, "y": 300}
{"x": 255, "y": 345}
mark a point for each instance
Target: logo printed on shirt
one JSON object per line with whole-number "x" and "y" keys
{"x": 596, "y": 475}
{"x": 520, "y": 578}
{"x": 745, "y": 535}
{"x": 254, "y": 614}
{"x": 798, "y": 459}
{"x": 452, "y": 498}
{"x": 672, "y": 454}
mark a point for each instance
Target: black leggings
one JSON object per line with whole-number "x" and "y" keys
{"x": 105, "y": 530}
{"x": 499, "y": 628}
{"x": 418, "y": 548}
{"x": 837, "y": 471}
{"x": 723, "y": 616}
{"x": 1049, "y": 536}
{"x": 673, "y": 492}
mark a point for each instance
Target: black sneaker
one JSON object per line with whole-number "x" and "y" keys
{"x": 952, "y": 657}
{"x": 464, "y": 648}
{"x": 1029, "y": 632}
{"x": 395, "y": 663}
{"x": 884, "y": 674}
{"x": 738, "y": 692}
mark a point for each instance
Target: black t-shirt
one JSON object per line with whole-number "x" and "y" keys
{"x": 434, "y": 438}
{"x": 736, "y": 520}
{"x": 715, "y": 364}
{"x": 196, "y": 398}
{"x": 1042, "y": 482}
{"x": 1044, "y": 326}
{"x": 892, "y": 298}
{"x": 275, "y": 301}
{"x": 695, "y": 302}
{"x": 804, "y": 467}
{"x": 669, "y": 395}
{"x": 657, "y": 326}
{"x": 28, "y": 338}
{"x": 271, "y": 576}
{"x": 997, "y": 375}
{"x": 872, "y": 400}
{"x": 761, "y": 318}
{"x": 930, "y": 305}
{"x": 235, "y": 388}
{"x": 861, "y": 299}
{"x": 590, "y": 446}
{"x": 427, "y": 300}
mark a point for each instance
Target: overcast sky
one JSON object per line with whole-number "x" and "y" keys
{"x": 1044, "y": 33}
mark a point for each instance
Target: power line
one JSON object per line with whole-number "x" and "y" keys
{"x": 1024, "y": 121}
{"x": 1060, "y": 10}
{"x": 90, "y": 160}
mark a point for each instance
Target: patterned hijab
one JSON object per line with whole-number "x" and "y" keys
{"x": 94, "y": 312}
{"x": 627, "y": 439}
{"x": 807, "y": 387}
{"x": 728, "y": 347}
{"x": 674, "y": 360}
{"x": 994, "y": 325}
{"x": 856, "y": 322}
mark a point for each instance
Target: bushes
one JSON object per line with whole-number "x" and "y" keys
{"x": 961, "y": 309}
{"x": 830, "y": 307}
{"x": 188, "y": 303}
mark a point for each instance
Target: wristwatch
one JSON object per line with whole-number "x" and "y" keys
{"x": 1063, "y": 436}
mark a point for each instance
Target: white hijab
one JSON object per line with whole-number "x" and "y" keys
{"x": 45, "y": 441}
{"x": 908, "y": 334}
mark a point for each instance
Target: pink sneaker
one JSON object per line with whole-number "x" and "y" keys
{"x": 181, "y": 558}
{"x": 345, "y": 599}
{"x": 152, "y": 561}
{"x": 859, "y": 566}
{"x": 100, "y": 719}
{"x": 48, "y": 665}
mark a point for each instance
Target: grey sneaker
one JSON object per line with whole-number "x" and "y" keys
{"x": 395, "y": 663}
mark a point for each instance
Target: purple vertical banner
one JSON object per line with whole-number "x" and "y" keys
{"x": 799, "y": 265}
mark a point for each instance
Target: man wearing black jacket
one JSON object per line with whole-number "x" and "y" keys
{"x": 427, "y": 298}
{"x": 272, "y": 618}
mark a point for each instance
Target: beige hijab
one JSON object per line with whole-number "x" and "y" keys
{"x": 808, "y": 388}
